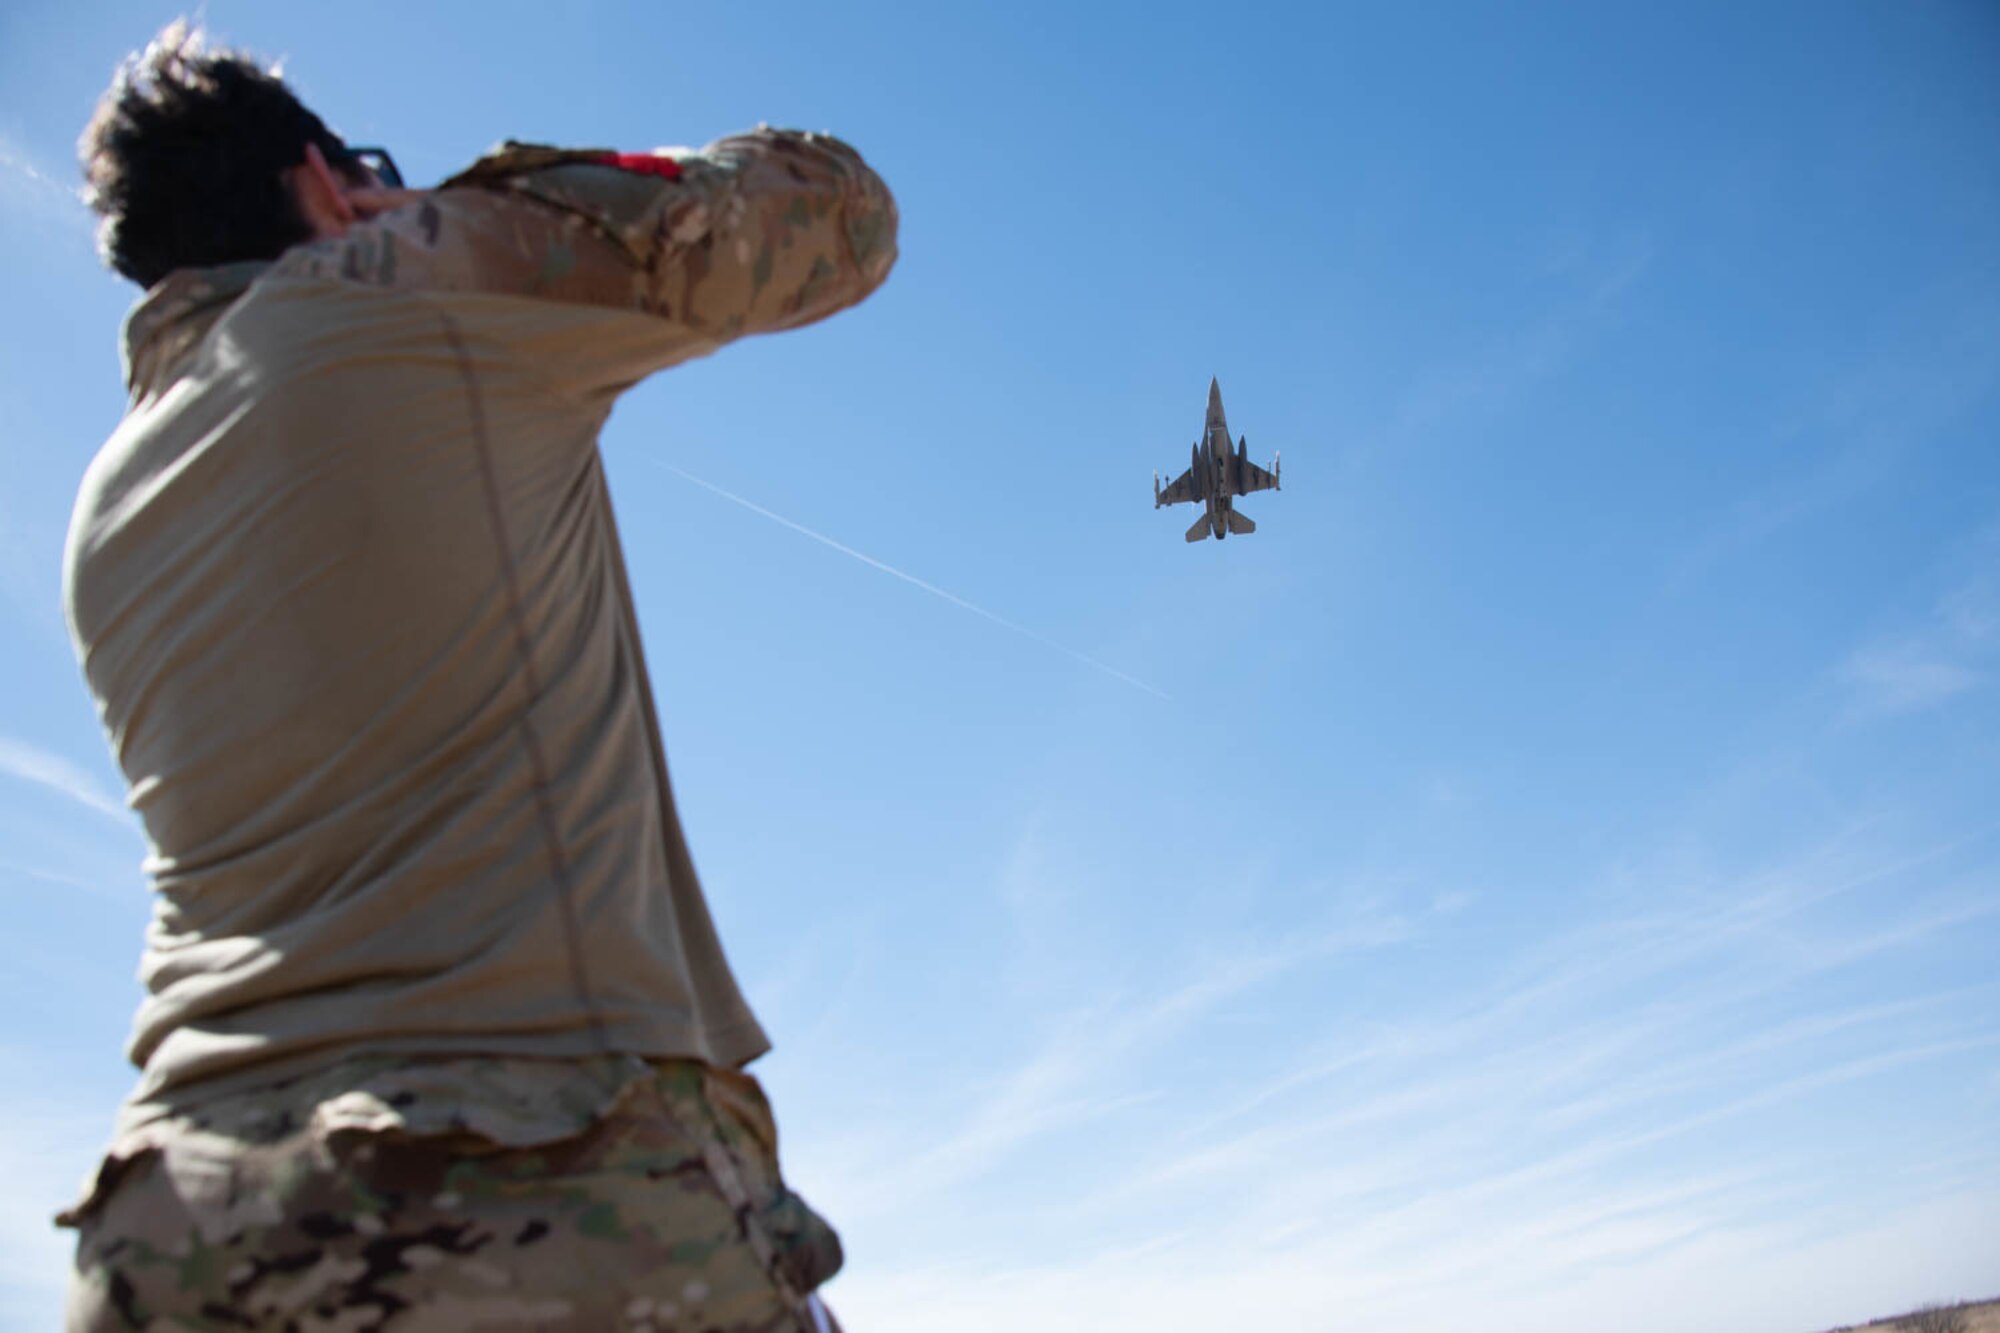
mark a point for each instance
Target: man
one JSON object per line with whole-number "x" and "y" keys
{"x": 438, "y": 1034}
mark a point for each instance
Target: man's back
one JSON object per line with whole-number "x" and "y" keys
{"x": 347, "y": 587}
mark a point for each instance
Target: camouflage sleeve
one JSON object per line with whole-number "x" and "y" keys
{"x": 757, "y": 232}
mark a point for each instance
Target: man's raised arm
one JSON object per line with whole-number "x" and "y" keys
{"x": 756, "y": 232}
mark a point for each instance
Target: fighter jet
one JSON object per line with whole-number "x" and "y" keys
{"x": 1216, "y": 475}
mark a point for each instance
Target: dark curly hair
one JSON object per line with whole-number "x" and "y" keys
{"x": 184, "y": 159}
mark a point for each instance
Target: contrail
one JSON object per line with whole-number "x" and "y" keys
{"x": 30, "y": 764}
{"x": 14, "y": 161}
{"x": 931, "y": 588}
{"x": 23, "y": 182}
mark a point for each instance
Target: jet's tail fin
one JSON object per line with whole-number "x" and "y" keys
{"x": 1199, "y": 530}
{"x": 1239, "y": 523}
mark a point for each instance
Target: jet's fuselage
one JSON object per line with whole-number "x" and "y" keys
{"x": 1215, "y": 457}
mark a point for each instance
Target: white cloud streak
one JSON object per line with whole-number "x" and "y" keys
{"x": 911, "y": 579}
{"x": 1650, "y": 1269}
{"x": 1905, "y": 678}
{"x": 1598, "y": 277}
{"x": 1084, "y": 1069}
{"x": 27, "y": 187}
{"x": 17, "y": 869}
{"x": 57, "y": 774}
{"x": 1947, "y": 655}
{"x": 1860, "y": 425}
{"x": 1594, "y": 1119}
{"x": 49, "y": 1143}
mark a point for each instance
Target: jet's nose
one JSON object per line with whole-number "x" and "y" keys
{"x": 1214, "y": 396}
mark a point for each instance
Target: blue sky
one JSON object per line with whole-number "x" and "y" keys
{"x": 1548, "y": 874}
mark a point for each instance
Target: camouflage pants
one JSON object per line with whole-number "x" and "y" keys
{"x": 667, "y": 1214}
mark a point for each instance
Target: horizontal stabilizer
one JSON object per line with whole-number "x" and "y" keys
{"x": 1199, "y": 530}
{"x": 1238, "y": 523}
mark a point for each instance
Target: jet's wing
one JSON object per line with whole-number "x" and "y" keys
{"x": 1257, "y": 479}
{"x": 1180, "y": 492}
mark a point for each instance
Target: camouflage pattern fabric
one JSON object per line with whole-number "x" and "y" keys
{"x": 755, "y": 233}
{"x": 511, "y": 1101}
{"x": 667, "y": 1213}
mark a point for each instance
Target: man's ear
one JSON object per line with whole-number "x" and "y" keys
{"x": 322, "y": 195}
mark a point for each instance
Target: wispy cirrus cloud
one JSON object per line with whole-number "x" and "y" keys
{"x": 34, "y": 190}
{"x": 1862, "y": 422}
{"x": 18, "y": 871}
{"x": 1085, "y": 1069}
{"x": 29, "y": 763}
{"x": 1650, "y": 1263}
{"x": 1904, "y": 678}
{"x": 53, "y": 1138}
{"x": 1948, "y": 653}
{"x": 1597, "y": 276}
{"x": 1599, "y": 1113}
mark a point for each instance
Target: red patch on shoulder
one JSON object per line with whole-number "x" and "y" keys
{"x": 645, "y": 164}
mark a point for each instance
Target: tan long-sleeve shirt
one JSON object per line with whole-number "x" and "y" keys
{"x": 348, "y": 592}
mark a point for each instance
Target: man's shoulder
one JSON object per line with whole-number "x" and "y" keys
{"x": 620, "y": 194}
{"x": 512, "y": 159}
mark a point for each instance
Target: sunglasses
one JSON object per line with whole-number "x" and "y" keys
{"x": 378, "y": 161}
